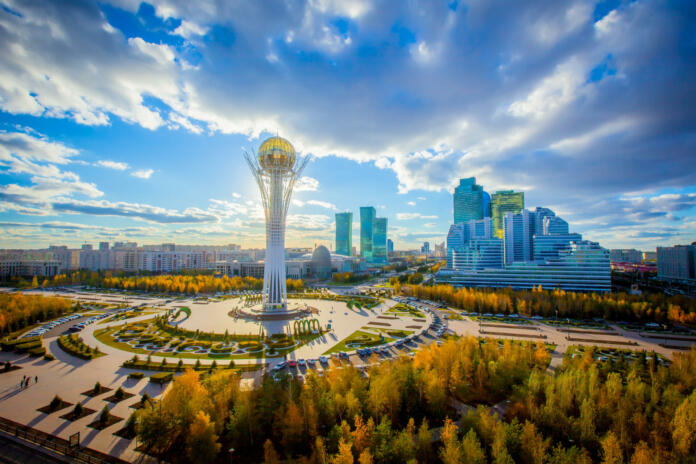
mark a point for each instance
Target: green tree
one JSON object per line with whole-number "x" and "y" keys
{"x": 684, "y": 426}
{"x": 201, "y": 443}
{"x": 472, "y": 452}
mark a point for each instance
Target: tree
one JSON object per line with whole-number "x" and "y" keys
{"x": 611, "y": 450}
{"x": 201, "y": 444}
{"x": 269, "y": 453}
{"x": 345, "y": 454}
{"x": 451, "y": 451}
{"x": 684, "y": 426}
{"x": 643, "y": 454}
{"x": 423, "y": 443}
{"x": 533, "y": 445}
{"x": 365, "y": 457}
{"x": 472, "y": 452}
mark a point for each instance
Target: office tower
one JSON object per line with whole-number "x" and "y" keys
{"x": 583, "y": 266}
{"x": 103, "y": 246}
{"x": 379, "y": 240}
{"x": 482, "y": 228}
{"x": 390, "y": 246}
{"x": 478, "y": 254}
{"x": 468, "y": 201}
{"x": 425, "y": 249}
{"x": 550, "y": 247}
{"x": 554, "y": 225}
{"x": 367, "y": 219}
{"x": 504, "y": 201}
{"x": 519, "y": 230}
{"x": 276, "y": 169}
{"x": 539, "y": 215}
{"x": 457, "y": 236}
{"x": 486, "y": 204}
{"x": 676, "y": 262}
{"x": 344, "y": 234}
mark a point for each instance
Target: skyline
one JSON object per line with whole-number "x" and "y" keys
{"x": 131, "y": 124}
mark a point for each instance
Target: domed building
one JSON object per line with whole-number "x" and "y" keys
{"x": 321, "y": 262}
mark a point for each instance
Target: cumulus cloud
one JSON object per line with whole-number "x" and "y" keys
{"x": 143, "y": 173}
{"x": 409, "y": 216}
{"x": 119, "y": 166}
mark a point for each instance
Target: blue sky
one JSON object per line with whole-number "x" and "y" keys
{"x": 125, "y": 120}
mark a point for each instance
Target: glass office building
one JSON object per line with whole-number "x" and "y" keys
{"x": 551, "y": 246}
{"x": 584, "y": 266}
{"x": 554, "y": 225}
{"x": 502, "y": 202}
{"x": 519, "y": 230}
{"x": 468, "y": 201}
{"x": 344, "y": 234}
{"x": 379, "y": 241}
{"x": 478, "y": 254}
{"x": 367, "y": 219}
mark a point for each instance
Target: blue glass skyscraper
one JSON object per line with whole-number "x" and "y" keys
{"x": 379, "y": 240}
{"x": 367, "y": 219}
{"x": 468, "y": 201}
{"x": 344, "y": 234}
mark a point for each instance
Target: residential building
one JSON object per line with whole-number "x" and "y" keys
{"x": 502, "y": 202}
{"x": 677, "y": 262}
{"x": 468, "y": 201}
{"x": 626, "y": 255}
{"x": 344, "y": 233}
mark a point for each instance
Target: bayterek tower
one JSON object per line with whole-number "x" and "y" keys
{"x": 276, "y": 169}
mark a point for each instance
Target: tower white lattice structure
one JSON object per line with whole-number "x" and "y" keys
{"x": 276, "y": 169}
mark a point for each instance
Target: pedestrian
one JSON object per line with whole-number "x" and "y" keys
{"x": 36, "y": 379}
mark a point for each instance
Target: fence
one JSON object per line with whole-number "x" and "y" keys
{"x": 55, "y": 444}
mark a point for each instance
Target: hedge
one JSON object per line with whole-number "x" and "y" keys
{"x": 75, "y": 346}
{"x": 36, "y": 352}
{"x": 161, "y": 378}
{"x": 9, "y": 344}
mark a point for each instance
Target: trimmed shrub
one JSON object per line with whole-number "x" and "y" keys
{"x": 161, "y": 378}
{"x": 136, "y": 375}
{"x": 36, "y": 352}
{"x": 49, "y": 357}
{"x": 55, "y": 402}
{"x": 7, "y": 366}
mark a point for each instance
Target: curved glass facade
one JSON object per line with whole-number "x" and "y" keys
{"x": 502, "y": 202}
{"x": 468, "y": 201}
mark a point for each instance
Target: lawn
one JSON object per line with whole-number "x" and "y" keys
{"x": 162, "y": 337}
{"x": 361, "y": 339}
{"x": 405, "y": 310}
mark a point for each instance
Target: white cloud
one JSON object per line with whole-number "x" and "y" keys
{"x": 411, "y": 203}
{"x": 306, "y": 184}
{"x": 119, "y": 166}
{"x": 409, "y": 216}
{"x": 143, "y": 173}
{"x": 323, "y": 204}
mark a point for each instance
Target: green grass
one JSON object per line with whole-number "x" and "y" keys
{"x": 404, "y": 309}
{"x": 371, "y": 339}
{"x": 106, "y": 336}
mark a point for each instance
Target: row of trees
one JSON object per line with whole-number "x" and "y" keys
{"x": 413, "y": 279}
{"x": 191, "y": 284}
{"x": 613, "y": 306}
{"x": 349, "y": 277}
{"x": 328, "y": 415}
{"x": 18, "y": 310}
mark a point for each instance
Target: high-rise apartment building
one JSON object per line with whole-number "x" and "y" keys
{"x": 677, "y": 262}
{"x": 502, "y": 202}
{"x": 367, "y": 220}
{"x": 344, "y": 234}
{"x": 468, "y": 201}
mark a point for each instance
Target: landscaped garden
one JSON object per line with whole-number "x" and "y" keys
{"x": 74, "y": 345}
{"x": 360, "y": 339}
{"x": 615, "y": 355}
{"x": 575, "y": 324}
{"x": 502, "y": 319}
{"x": 156, "y": 336}
{"x": 405, "y": 310}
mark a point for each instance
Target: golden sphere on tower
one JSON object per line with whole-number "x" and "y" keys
{"x": 276, "y": 153}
